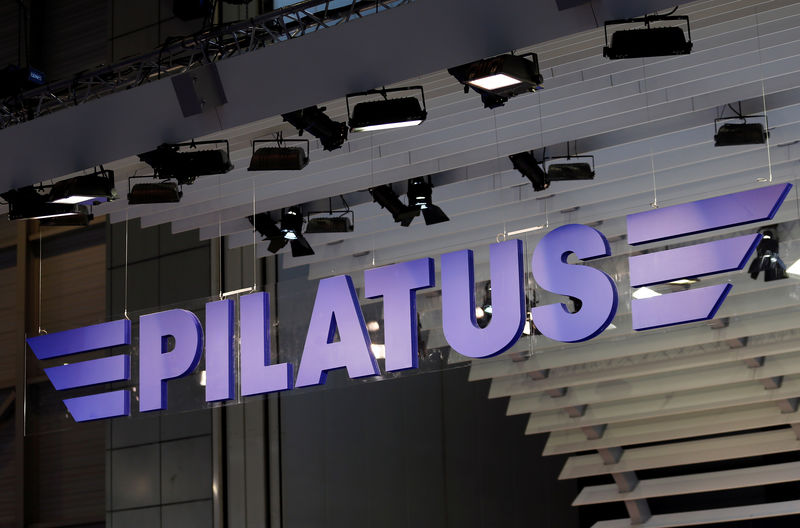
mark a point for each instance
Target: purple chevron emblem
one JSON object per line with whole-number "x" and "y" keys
{"x": 90, "y": 372}
{"x": 698, "y": 260}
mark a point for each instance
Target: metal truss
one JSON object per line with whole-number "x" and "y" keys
{"x": 179, "y": 55}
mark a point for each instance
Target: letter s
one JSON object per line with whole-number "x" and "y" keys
{"x": 594, "y": 288}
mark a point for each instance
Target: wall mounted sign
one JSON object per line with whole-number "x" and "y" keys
{"x": 337, "y": 312}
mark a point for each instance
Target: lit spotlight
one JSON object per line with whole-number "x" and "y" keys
{"x": 645, "y": 293}
{"x": 331, "y": 134}
{"x": 419, "y": 195}
{"x": 500, "y": 78}
{"x": 385, "y": 196}
{"x": 526, "y": 164}
{"x": 184, "y": 162}
{"x": 279, "y": 157}
{"x": 96, "y": 187}
{"x": 648, "y": 41}
{"x": 29, "y": 203}
{"x": 291, "y": 228}
{"x": 381, "y": 114}
{"x": 767, "y": 258}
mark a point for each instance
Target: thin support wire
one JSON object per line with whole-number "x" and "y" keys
{"x": 125, "y": 302}
{"x": 41, "y": 331}
{"x": 255, "y": 258}
{"x": 766, "y": 122}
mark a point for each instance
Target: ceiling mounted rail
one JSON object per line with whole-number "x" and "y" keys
{"x": 180, "y": 55}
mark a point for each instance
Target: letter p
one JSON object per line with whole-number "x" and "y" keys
{"x": 157, "y": 363}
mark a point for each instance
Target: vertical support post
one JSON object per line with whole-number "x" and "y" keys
{"x": 21, "y": 371}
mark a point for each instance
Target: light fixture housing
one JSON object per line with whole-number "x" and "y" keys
{"x": 28, "y": 203}
{"x": 744, "y": 133}
{"x": 385, "y": 113}
{"x": 647, "y": 41}
{"x": 332, "y": 134}
{"x": 330, "y": 224}
{"x": 279, "y": 157}
{"x": 499, "y": 78}
{"x": 97, "y": 187}
{"x": 419, "y": 194}
{"x": 153, "y": 192}
{"x": 526, "y": 164}
{"x": 767, "y": 258}
{"x": 269, "y": 230}
{"x": 185, "y": 163}
{"x": 385, "y": 196}
{"x": 570, "y": 170}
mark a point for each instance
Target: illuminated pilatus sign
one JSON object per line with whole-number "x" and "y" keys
{"x": 336, "y": 310}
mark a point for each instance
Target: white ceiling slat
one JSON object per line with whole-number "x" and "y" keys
{"x": 697, "y": 483}
{"x": 673, "y": 427}
{"x": 684, "y": 453}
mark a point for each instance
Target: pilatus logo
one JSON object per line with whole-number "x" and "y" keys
{"x": 336, "y": 310}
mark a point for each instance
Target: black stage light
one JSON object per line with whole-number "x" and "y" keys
{"x": 98, "y": 187}
{"x": 730, "y": 134}
{"x": 500, "y": 78}
{"x": 291, "y": 228}
{"x": 331, "y": 134}
{"x": 279, "y": 157}
{"x": 330, "y": 224}
{"x": 419, "y": 197}
{"x": 29, "y": 203}
{"x": 767, "y": 258}
{"x": 155, "y": 192}
{"x": 267, "y": 228}
{"x": 170, "y": 162}
{"x": 381, "y": 114}
{"x": 385, "y": 196}
{"x": 647, "y": 41}
{"x": 576, "y": 170}
{"x": 526, "y": 164}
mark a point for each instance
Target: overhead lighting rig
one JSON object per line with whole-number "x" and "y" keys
{"x": 739, "y": 133}
{"x": 29, "y": 203}
{"x": 184, "y": 162}
{"x": 289, "y": 231}
{"x": 767, "y": 258}
{"x": 95, "y": 187}
{"x": 332, "y": 134}
{"x": 526, "y": 164}
{"x": 569, "y": 167}
{"x": 498, "y": 79}
{"x": 648, "y": 41}
{"x": 385, "y": 113}
{"x": 280, "y": 157}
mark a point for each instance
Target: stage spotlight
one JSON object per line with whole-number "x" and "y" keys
{"x": 291, "y": 228}
{"x": 279, "y": 157}
{"x": 647, "y": 41}
{"x": 269, "y": 230}
{"x": 29, "y": 203}
{"x": 730, "y": 134}
{"x": 170, "y": 162}
{"x": 331, "y": 134}
{"x": 98, "y": 187}
{"x": 767, "y": 258}
{"x": 381, "y": 114}
{"x": 154, "y": 193}
{"x": 385, "y": 196}
{"x": 329, "y": 224}
{"x": 500, "y": 78}
{"x": 526, "y": 164}
{"x": 419, "y": 197}
{"x": 570, "y": 170}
